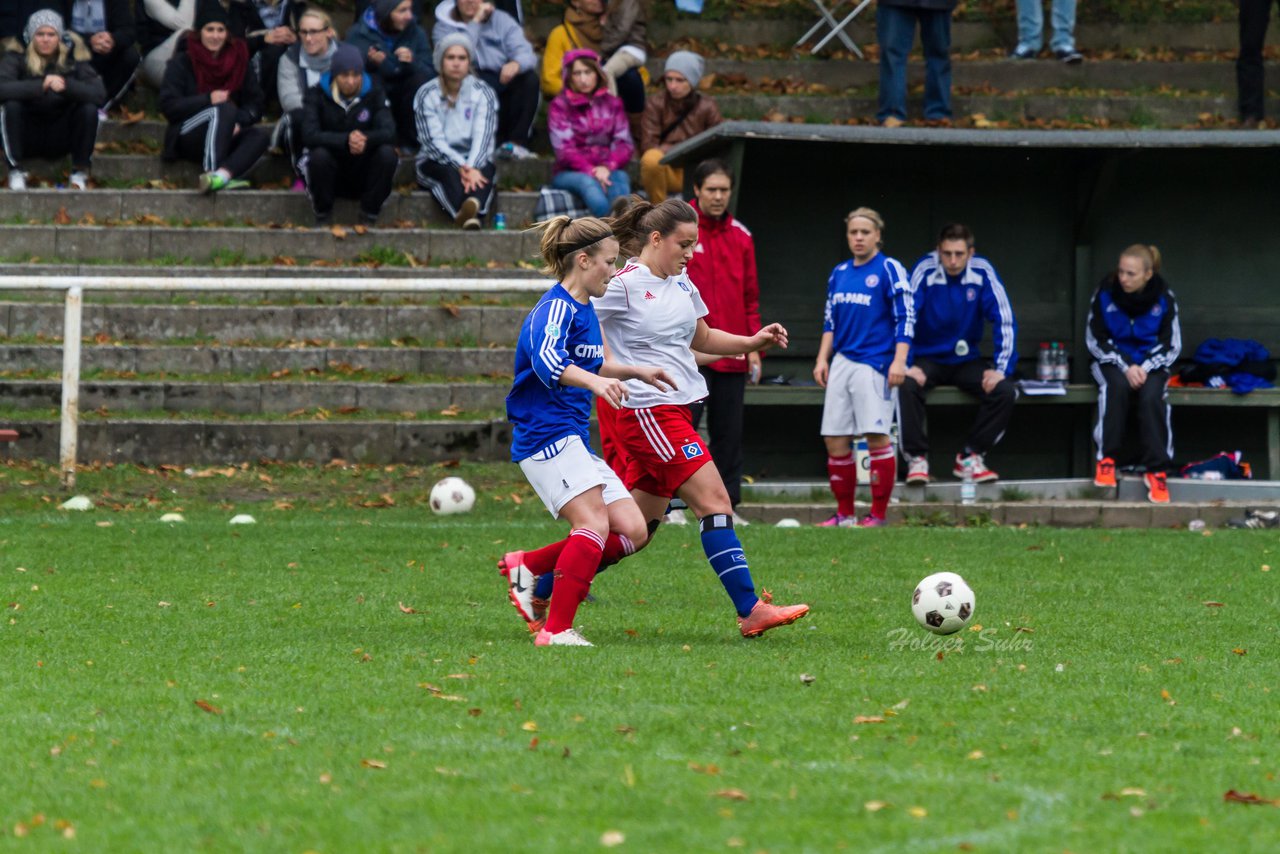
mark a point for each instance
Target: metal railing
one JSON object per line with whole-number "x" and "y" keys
{"x": 76, "y": 286}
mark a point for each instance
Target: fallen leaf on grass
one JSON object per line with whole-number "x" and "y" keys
{"x": 1212, "y": 604}
{"x": 1240, "y": 651}
{"x": 875, "y": 806}
{"x": 338, "y": 232}
{"x": 731, "y": 794}
{"x": 1167, "y": 697}
{"x": 1232, "y": 796}
{"x": 868, "y": 719}
{"x": 917, "y": 812}
{"x": 612, "y": 838}
{"x": 529, "y": 726}
{"x": 451, "y": 410}
{"x": 704, "y": 769}
{"x": 405, "y": 609}
{"x": 376, "y": 764}
{"x": 206, "y": 706}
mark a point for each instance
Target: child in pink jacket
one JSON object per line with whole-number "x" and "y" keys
{"x": 590, "y": 135}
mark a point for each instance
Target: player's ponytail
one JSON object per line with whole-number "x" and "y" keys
{"x": 563, "y": 237}
{"x": 641, "y": 219}
{"x": 1148, "y": 255}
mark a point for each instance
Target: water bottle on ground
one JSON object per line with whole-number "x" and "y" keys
{"x": 968, "y": 489}
{"x": 499, "y": 221}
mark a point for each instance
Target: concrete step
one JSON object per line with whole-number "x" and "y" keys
{"x": 465, "y": 325}
{"x": 665, "y": 35}
{"x": 480, "y": 274}
{"x": 209, "y": 441}
{"x": 273, "y": 169}
{"x": 260, "y": 361}
{"x": 258, "y": 398}
{"x": 173, "y": 246}
{"x": 245, "y": 207}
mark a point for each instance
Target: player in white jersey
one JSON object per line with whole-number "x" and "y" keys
{"x": 559, "y": 366}
{"x": 651, "y": 314}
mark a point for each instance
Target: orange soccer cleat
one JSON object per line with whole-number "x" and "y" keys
{"x": 766, "y": 615}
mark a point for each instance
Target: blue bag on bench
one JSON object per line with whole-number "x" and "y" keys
{"x": 1221, "y": 466}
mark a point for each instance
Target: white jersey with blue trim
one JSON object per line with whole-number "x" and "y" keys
{"x": 559, "y": 332}
{"x": 650, "y": 320}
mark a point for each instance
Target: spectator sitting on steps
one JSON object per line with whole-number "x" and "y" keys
{"x": 457, "y": 114}
{"x": 399, "y": 52}
{"x": 350, "y": 139}
{"x": 49, "y": 99}
{"x": 955, "y": 290}
{"x": 269, "y": 28}
{"x": 108, "y": 29}
{"x": 301, "y": 67}
{"x": 676, "y": 113}
{"x": 591, "y": 136}
{"x": 505, "y": 60}
{"x": 617, "y": 37}
{"x": 212, "y": 101}
{"x": 161, "y": 24}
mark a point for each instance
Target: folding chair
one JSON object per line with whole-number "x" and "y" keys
{"x": 837, "y": 27}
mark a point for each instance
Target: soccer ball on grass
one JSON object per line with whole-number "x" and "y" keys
{"x": 452, "y": 495}
{"x": 943, "y": 603}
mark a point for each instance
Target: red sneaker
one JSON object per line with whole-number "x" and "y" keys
{"x": 765, "y": 615}
{"x": 1157, "y": 487}
{"x": 977, "y": 467}
{"x": 1105, "y": 474}
{"x": 839, "y": 521}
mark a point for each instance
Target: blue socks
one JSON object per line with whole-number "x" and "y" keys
{"x": 542, "y": 589}
{"x": 724, "y": 553}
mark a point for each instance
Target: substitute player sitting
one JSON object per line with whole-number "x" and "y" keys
{"x": 559, "y": 365}
{"x": 868, "y": 326}
{"x": 652, "y": 314}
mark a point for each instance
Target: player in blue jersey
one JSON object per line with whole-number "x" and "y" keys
{"x": 954, "y": 292}
{"x": 866, "y": 338}
{"x": 1134, "y": 336}
{"x": 560, "y": 364}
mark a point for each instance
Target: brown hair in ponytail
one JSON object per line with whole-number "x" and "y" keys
{"x": 633, "y": 227}
{"x": 563, "y": 238}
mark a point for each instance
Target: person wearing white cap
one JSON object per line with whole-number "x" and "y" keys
{"x": 50, "y": 95}
{"x": 676, "y": 113}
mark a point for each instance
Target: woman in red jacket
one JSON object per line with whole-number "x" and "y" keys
{"x": 724, "y": 270}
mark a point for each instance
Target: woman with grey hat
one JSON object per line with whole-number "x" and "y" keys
{"x": 676, "y": 113}
{"x": 50, "y": 95}
{"x": 457, "y": 118}
{"x": 398, "y": 52}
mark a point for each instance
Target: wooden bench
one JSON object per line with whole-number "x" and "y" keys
{"x": 1078, "y": 394}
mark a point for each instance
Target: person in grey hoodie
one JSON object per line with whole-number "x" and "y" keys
{"x": 504, "y": 59}
{"x": 457, "y": 114}
{"x": 301, "y": 67}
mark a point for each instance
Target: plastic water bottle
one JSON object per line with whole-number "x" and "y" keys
{"x": 968, "y": 489}
{"x": 499, "y": 221}
{"x": 1063, "y": 366}
{"x": 1044, "y": 370}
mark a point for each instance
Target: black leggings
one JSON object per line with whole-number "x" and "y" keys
{"x": 209, "y": 138}
{"x": 33, "y": 133}
{"x": 445, "y": 183}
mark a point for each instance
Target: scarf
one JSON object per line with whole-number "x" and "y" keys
{"x": 586, "y": 25}
{"x": 271, "y": 12}
{"x": 1140, "y": 302}
{"x": 223, "y": 70}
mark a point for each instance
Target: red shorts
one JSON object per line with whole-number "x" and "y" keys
{"x": 661, "y": 447}
{"x": 610, "y": 448}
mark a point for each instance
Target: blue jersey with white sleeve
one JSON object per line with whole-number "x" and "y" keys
{"x": 950, "y": 311}
{"x": 869, "y": 310}
{"x": 559, "y": 332}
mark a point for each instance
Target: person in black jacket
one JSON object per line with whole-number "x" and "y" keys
{"x": 108, "y": 28}
{"x": 212, "y": 101}
{"x": 49, "y": 99}
{"x": 269, "y": 27}
{"x": 349, "y": 136}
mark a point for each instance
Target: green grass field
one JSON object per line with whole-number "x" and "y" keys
{"x": 262, "y": 688}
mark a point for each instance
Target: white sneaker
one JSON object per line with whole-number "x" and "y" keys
{"x": 79, "y": 180}
{"x": 675, "y": 517}
{"x": 569, "y": 637}
{"x": 520, "y": 583}
{"x": 917, "y": 470}
{"x": 17, "y": 179}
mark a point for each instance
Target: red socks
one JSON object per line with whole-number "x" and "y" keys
{"x": 842, "y": 474}
{"x": 581, "y": 555}
{"x": 884, "y": 471}
{"x": 543, "y": 560}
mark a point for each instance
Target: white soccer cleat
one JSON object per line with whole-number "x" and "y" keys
{"x": 520, "y": 583}
{"x": 569, "y": 637}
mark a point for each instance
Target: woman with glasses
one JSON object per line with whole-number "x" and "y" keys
{"x": 301, "y": 67}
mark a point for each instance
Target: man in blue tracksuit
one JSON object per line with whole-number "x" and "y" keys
{"x": 954, "y": 291}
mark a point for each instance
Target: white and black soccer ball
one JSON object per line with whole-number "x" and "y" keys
{"x": 943, "y": 603}
{"x": 452, "y": 495}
